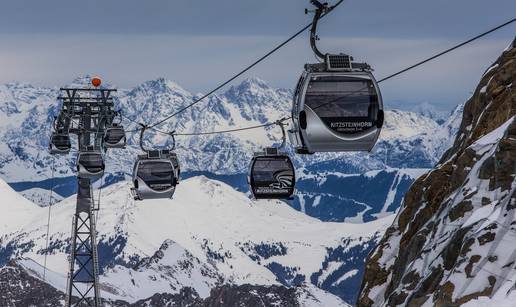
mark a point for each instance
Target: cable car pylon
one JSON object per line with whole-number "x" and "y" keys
{"x": 87, "y": 113}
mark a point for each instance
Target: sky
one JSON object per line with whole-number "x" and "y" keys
{"x": 199, "y": 43}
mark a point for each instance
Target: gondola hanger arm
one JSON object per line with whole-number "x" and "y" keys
{"x": 142, "y": 132}
{"x": 172, "y": 134}
{"x": 281, "y": 123}
{"x": 320, "y": 10}
{"x": 118, "y": 114}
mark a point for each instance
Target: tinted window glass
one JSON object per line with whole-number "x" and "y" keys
{"x": 114, "y": 135}
{"x": 341, "y": 96}
{"x": 92, "y": 162}
{"x": 61, "y": 140}
{"x": 266, "y": 169}
{"x": 156, "y": 172}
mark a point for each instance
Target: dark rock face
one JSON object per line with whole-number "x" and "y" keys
{"x": 224, "y": 296}
{"x": 18, "y": 288}
{"x": 187, "y": 297}
{"x": 250, "y": 295}
{"x": 453, "y": 239}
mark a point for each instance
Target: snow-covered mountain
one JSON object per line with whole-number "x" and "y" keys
{"x": 27, "y": 111}
{"x": 452, "y": 242}
{"x": 208, "y": 235}
{"x": 232, "y": 249}
{"x": 354, "y": 198}
{"x": 21, "y": 285}
{"x": 425, "y": 109}
{"x": 408, "y": 141}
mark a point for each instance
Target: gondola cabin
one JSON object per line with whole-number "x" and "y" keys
{"x": 337, "y": 104}
{"x": 90, "y": 164}
{"x": 155, "y": 175}
{"x": 336, "y": 110}
{"x": 60, "y": 143}
{"x": 271, "y": 175}
{"x": 114, "y": 137}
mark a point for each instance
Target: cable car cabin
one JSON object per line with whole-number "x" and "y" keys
{"x": 90, "y": 164}
{"x": 60, "y": 143}
{"x": 115, "y": 137}
{"x": 336, "y": 109}
{"x": 271, "y": 175}
{"x": 155, "y": 175}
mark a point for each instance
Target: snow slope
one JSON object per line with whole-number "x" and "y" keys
{"x": 218, "y": 231}
{"x": 354, "y": 198}
{"x": 16, "y": 211}
{"x": 483, "y": 218}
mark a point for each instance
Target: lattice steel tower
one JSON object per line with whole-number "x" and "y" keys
{"x": 86, "y": 113}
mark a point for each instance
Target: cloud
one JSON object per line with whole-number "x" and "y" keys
{"x": 200, "y": 43}
{"x": 199, "y": 63}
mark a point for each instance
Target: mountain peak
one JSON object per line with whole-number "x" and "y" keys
{"x": 85, "y": 81}
{"x": 253, "y": 86}
{"x": 254, "y": 81}
{"x": 162, "y": 85}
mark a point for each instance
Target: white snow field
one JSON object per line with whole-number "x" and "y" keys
{"x": 205, "y": 218}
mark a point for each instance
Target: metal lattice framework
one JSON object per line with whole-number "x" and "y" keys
{"x": 85, "y": 112}
{"x": 83, "y": 275}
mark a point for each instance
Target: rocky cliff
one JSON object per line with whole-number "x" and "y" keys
{"x": 453, "y": 240}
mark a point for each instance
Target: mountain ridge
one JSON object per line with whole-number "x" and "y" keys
{"x": 155, "y": 97}
{"x": 451, "y": 242}
{"x": 213, "y": 230}
{"x": 26, "y": 164}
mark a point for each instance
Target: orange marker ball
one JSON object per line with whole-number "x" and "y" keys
{"x": 96, "y": 82}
